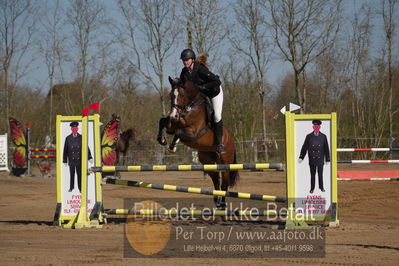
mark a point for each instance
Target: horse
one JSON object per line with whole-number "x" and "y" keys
{"x": 122, "y": 145}
{"x": 188, "y": 122}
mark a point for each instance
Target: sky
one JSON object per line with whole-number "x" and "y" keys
{"x": 38, "y": 78}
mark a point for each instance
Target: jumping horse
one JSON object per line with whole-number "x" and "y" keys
{"x": 188, "y": 122}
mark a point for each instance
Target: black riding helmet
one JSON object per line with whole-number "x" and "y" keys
{"x": 187, "y": 54}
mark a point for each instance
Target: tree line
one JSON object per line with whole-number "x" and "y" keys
{"x": 342, "y": 57}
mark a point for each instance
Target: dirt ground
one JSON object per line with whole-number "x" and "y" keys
{"x": 368, "y": 212}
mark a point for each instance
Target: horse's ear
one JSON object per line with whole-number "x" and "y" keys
{"x": 172, "y": 82}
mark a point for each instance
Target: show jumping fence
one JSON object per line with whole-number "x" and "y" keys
{"x": 83, "y": 220}
{"x": 368, "y": 175}
{"x": 41, "y": 156}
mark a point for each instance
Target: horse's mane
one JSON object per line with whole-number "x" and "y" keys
{"x": 203, "y": 59}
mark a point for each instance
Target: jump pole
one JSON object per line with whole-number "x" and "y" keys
{"x": 43, "y": 156}
{"x": 195, "y": 190}
{"x": 198, "y": 167}
{"x": 39, "y": 149}
{"x": 206, "y": 212}
{"x": 368, "y": 161}
{"x": 365, "y": 149}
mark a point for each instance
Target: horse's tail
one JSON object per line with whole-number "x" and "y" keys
{"x": 234, "y": 175}
{"x": 203, "y": 59}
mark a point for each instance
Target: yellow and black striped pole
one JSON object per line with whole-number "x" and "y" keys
{"x": 189, "y": 212}
{"x": 191, "y": 167}
{"x": 195, "y": 190}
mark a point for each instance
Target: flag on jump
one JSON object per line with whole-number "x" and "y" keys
{"x": 85, "y": 111}
{"x": 94, "y": 106}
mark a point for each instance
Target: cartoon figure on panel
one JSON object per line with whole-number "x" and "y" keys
{"x": 316, "y": 146}
{"x": 73, "y": 155}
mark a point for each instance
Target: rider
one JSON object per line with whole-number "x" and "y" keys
{"x": 209, "y": 84}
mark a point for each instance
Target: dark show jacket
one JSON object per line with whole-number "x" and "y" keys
{"x": 317, "y": 149}
{"x": 73, "y": 149}
{"x": 202, "y": 77}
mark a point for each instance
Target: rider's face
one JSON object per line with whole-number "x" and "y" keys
{"x": 188, "y": 63}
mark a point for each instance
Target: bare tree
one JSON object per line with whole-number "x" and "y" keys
{"x": 242, "y": 113}
{"x": 87, "y": 19}
{"x": 257, "y": 49}
{"x": 360, "y": 44}
{"x": 388, "y": 11}
{"x": 52, "y": 47}
{"x": 204, "y": 20}
{"x": 303, "y": 30}
{"x": 17, "y": 24}
{"x": 367, "y": 76}
{"x": 149, "y": 33}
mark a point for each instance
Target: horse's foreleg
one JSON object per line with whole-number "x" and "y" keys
{"x": 117, "y": 160}
{"x": 172, "y": 146}
{"x": 163, "y": 122}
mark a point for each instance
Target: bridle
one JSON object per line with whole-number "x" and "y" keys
{"x": 182, "y": 110}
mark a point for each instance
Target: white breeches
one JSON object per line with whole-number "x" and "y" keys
{"x": 217, "y": 103}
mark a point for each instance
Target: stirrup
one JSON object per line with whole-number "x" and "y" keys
{"x": 220, "y": 148}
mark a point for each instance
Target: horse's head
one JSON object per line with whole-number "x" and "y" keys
{"x": 128, "y": 134}
{"x": 181, "y": 96}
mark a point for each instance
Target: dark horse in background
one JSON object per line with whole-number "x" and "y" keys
{"x": 188, "y": 121}
{"x": 122, "y": 145}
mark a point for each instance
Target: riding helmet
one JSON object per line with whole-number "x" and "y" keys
{"x": 187, "y": 54}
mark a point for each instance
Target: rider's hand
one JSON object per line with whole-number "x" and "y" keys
{"x": 202, "y": 88}
{"x": 300, "y": 160}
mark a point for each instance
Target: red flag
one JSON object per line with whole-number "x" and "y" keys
{"x": 85, "y": 111}
{"x": 95, "y": 106}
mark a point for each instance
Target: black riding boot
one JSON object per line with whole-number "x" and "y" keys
{"x": 219, "y": 137}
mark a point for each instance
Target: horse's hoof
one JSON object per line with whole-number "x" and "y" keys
{"x": 220, "y": 203}
{"x": 161, "y": 140}
{"x": 172, "y": 149}
{"x": 222, "y": 206}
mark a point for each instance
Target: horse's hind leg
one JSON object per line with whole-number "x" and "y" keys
{"x": 224, "y": 187}
{"x": 210, "y": 158}
{"x": 216, "y": 184}
{"x": 163, "y": 122}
